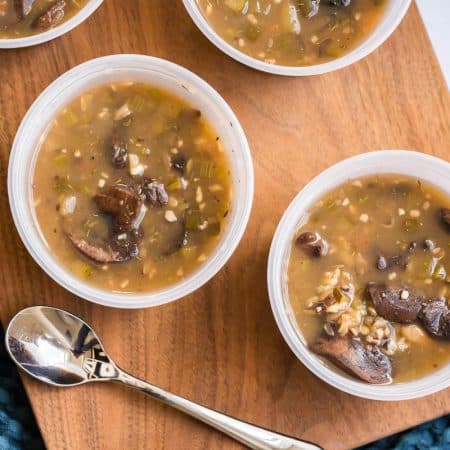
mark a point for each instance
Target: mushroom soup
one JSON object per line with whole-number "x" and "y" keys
{"x": 368, "y": 278}
{"x": 132, "y": 188}
{"x": 20, "y": 18}
{"x": 293, "y": 32}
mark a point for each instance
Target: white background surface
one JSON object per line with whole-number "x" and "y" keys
{"x": 436, "y": 15}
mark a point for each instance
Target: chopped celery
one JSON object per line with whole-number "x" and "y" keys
{"x": 188, "y": 251}
{"x": 439, "y": 272}
{"x": 127, "y": 122}
{"x": 69, "y": 118}
{"x": 84, "y": 189}
{"x": 289, "y": 19}
{"x": 330, "y": 47}
{"x": 214, "y": 228}
{"x": 252, "y": 33}
{"x": 174, "y": 185}
{"x": 411, "y": 224}
{"x": 235, "y": 5}
{"x": 61, "y": 184}
{"x": 82, "y": 269}
{"x": 61, "y": 161}
{"x": 193, "y": 219}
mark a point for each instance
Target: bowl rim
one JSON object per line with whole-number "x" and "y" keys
{"x": 423, "y": 386}
{"x": 370, "y": 44}
{"x": 34, "y": 241}
{"x": 53, "y": 33}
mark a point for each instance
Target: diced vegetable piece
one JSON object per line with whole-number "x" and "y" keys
{"x": 235, "y": 5}
{"x": 61, "y": 161}
{"x": 62, "y": 184}
{"x": 69, "y": 118}
{"x": 330, "y": 47}
{"x": 82, "y": 269}
{"x": 289, "y": 19}
{"x": 174, "y": 185}
{"x": 439, "y": 272}
{"x": 188, "y": 251}
{"x": 252, "y": 33}
{"x": 193, "y": 220}
{"x": 411, "y": 225}
{"x": 214, "y": 228}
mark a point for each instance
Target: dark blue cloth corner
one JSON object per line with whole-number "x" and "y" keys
{"x": 434, "y": 435}
{"x": 18, "y": 429}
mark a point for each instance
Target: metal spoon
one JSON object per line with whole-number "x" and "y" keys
{"x": 60, "y": 349}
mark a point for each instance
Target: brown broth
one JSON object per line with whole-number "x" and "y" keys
{"x": 75, "y": 162}
{"x": 279, "y": 32}
{"x": 12, "y": 25}
{"x": 360, "y": 220}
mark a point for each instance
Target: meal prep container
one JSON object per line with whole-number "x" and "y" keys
{"x": 433, "y": 170}
{"x": 395, "y": 11}
{"x": 55, "y": 32}
{"x": 167, "y": 76}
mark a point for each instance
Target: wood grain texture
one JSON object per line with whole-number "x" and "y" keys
{"x": 220, "y": 346}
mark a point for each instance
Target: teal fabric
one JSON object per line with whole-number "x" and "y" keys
{"x": 18, "y": 430}
{"x": 434, "y": 435}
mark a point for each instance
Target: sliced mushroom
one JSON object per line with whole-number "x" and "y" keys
{"x": 53, "y": 16}
{"x": 313, "y": 244}
{"x": 179, "y": 239}
{"x": 367, "y": 363}
{"x": 102, "y": 255}
{"x": 435, "y": 316}
{"x": 154, "y": 192}
{"x": 127, "y": 244}
{"x": 120, "y": 201}
{"x": 397, "y": 304}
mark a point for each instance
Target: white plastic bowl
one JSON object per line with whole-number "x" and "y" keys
{"x": 428, "y": 168}
{"x": 395, "y": 11}
{"x": 55, "y": 32}
{"x": 167, "y": 76}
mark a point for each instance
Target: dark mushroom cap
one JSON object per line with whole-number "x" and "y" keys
{"x": 313, "y": 244}
{"x": 367, "y": 363}
{"x": 435, "y": 316}
{"x": 396, "y": 304}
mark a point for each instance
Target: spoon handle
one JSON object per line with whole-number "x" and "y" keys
{"x": 252, "y": 436}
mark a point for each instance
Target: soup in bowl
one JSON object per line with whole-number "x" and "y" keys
{"x": 132, "y": 181}
{"x": 358, "y": 275}
{"x": 297, "y": 37}
{"x": 30, "y": 22}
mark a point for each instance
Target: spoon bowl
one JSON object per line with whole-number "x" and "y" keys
{"x": 57, "y": 347}
{"x": 60, "y": 349}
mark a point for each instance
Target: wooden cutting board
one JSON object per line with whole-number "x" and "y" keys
{"x": 220, "y": 346}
